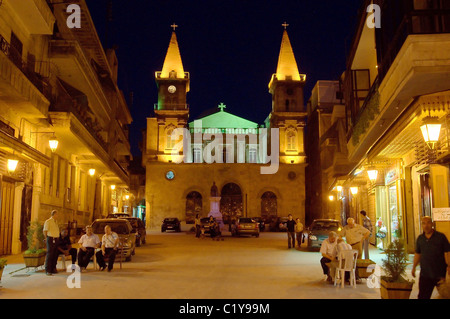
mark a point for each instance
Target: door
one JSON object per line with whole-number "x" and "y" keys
{"x": 6, "y": 216}
{"x": 395, "y": 212}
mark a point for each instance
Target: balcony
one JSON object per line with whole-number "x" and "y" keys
{"x": 20, "y": 84}
{"x": 36, "y": 15}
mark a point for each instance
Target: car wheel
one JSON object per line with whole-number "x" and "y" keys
{"x": 162, "y": 230}
{"x": 138, "y": 243}
{"x": 144, "y": 240}
{"x": 128, "y": 258}
{"x": 257, "y": 235}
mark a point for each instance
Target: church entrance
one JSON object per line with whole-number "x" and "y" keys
{"x": 231, "y": 205}
{"x": 269, "y": 208}
{"x": 193, "y": 206}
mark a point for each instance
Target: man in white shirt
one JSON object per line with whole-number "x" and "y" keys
{"x": 51, "y": 234}
{"x": 110, "y": 243}
{"x": 328, "y": 251}
{"x": 355, "y": 234}
{"x": 88, "y": 242}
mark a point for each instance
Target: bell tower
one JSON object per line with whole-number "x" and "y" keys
{"x": 288, "y": 111}
{"x": 172, "y": 81}
{"x": 171, "y": 111}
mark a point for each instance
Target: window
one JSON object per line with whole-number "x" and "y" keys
{"x": 252, "y": 156}
{"x": 291, "y": 140}
{"x": 198, "y": 155}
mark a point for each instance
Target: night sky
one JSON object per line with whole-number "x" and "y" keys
{"x": 230, "y": 48}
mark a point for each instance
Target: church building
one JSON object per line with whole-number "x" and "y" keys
{"x": 259, "y": 168}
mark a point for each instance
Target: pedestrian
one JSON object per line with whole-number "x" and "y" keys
{"x": 88, "y": 242}
{"x": 355, "y": 234}
{"x": 367, "y": 224}
{"x": 290, "y": 228}
{"x": 110, "y": 244}
{"x": 65, "y": 246}
{"x": 328, "y": 251}
{"x": 433, "y": 254}
{"x": 51, "y": 235}
{"x": 198, "y": 226}
{"x": 299, "y": 232}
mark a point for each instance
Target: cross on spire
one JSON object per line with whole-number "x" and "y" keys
{"x": 285, "y": 25}
{"x": 174, "y": 26}
{"x": 222, "y": 106}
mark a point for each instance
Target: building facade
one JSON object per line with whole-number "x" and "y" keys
{"x": 57, "y": 83}
{"x": 225, "y": 149}
{"x": 395, "y": 86}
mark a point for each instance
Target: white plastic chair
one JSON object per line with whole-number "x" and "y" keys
{"x": 347, "y": 262}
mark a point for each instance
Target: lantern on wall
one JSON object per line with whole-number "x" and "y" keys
{"x": 431, "y": 130}
{"x": 354, "y": 190}
{"x": 12, "y": 165}
{"x": 53, "y": 142}
{"x": 373, "y": 174}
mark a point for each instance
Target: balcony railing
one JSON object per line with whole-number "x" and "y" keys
{"x": 39, "y": 81}
{"x": 173, "y": 106}
{"x": 394, "y": 32}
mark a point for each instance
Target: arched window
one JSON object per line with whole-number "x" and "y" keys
{"x": 269, "y": 206}
{"x": 193, "y": 206}
{"x": 291, "y": 140}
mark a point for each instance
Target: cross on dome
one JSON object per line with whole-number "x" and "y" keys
{"x": 285, "y": 25}
{"x": 174, "y": 26}
{"x": 222, "y": 106}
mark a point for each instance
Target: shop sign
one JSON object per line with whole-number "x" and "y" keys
{"x": 441, "y": 214}
{"x": 391, "y": 176}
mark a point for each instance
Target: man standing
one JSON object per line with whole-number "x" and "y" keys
{"x": 290, "y": 225}
{"x": 355, "y": 234}
{"x": 367, "y": 224}
{"x": 328, "y": 251}
{"x": 51, "y": 235}
{"x": 88, "y": 242}
{"x": 433, "y": 254}
{"x": 299, "y": 232}
{"x": 110, "y": 243}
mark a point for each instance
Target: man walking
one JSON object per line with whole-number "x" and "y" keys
{"x": 290, "y": 225}
{"x": 433, "y": 255}
{"x": 51, "y": 235}
{"x": 367, "y": 224}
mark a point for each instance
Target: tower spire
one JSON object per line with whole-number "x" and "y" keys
{"x": 173, "y": 66}
{"x": 287, "y": 65}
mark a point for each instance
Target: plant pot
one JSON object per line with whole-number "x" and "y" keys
{"x": 395, "y": 290}
{"x": 361, "y": 268}
{"x": 1, "y": 273}
{"x": 34, "y": 260}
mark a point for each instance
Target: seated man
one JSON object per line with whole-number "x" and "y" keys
{"x": 110, "y": 243}
{"x": 88, "y": 242}
{"x": 328, "y": 252}
{"x": 340, "y": 246}
{"x": 65, "y": 246}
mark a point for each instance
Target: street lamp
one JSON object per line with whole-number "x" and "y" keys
{"x": 53, "y": 142}
{"x": 92, "y": 171}
{"x": 431, "y": 129}
{"x": 113, "y": 187}
{"x": 331, "y": 198}
{"x": 373, "y": 174}
{"x": 12, "y": 165}
{"x": 354, "y": 190}
{"x": 339, "y": 188}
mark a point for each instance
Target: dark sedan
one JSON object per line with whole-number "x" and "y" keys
{"x": 171, "y": 224}
{"x": 320, "y": 229}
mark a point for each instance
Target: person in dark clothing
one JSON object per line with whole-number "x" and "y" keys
{"x": 290, "y": 226}
{"x": 433, "y": 254}
{"x": 65, "y": 246}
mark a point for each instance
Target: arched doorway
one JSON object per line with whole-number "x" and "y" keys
{"x": 269, "y": 207}
{"x": 231, "y": 205}
{"x": 193, "y": 206}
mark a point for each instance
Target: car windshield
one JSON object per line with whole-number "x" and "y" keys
{"x": 170, "y": 220}
{"x": 330, "y": 226}
{"x": 245, "y": 220}
{"x": 119, "y": 228}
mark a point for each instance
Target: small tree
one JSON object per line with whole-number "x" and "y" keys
{"x": 35, "y": 238}
{"x": 3, "y": 263}
{"x": 396, "y": 262}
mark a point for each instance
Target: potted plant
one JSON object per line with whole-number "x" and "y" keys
{"x": 394, "y": 285}
{"x": 34, "y": 256}
{"x": 3, "y": 263}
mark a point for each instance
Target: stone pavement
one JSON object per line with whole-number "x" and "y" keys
{"x": 180, "y": 266}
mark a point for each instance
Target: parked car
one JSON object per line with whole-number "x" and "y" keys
{"x": 117, "y": 215}
{"x": 171, "y": 224}
{"x": 138, "y": 229}
{"x": 245, "y": 226}
{"x": 123, "y": 228}
{"x": 319, "y": 230}
{"x": 261, "y": 223}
